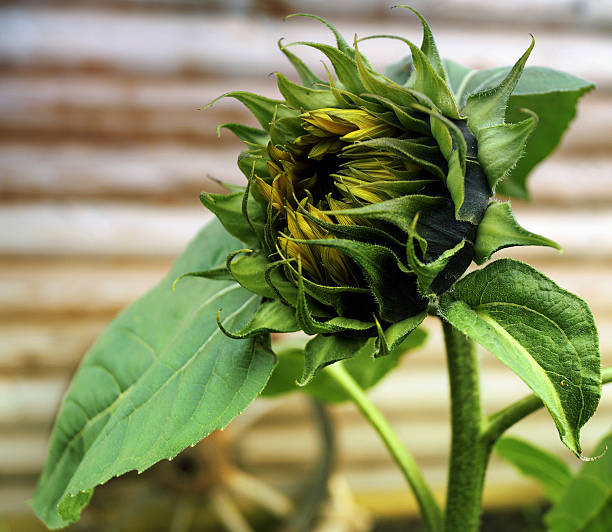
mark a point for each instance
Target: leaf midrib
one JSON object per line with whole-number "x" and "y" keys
{"x": 505, "y": 334}
{"x": 560, "y": 329}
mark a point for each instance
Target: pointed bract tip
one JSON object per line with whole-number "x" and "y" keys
{"x": 212, "y": 178}
{"x": 210, "y": 104}
{"x": 529, "y": 112}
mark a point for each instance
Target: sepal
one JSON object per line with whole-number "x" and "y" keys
{"x": 305, "y": 98}
{"x": 395, "y": 335}
{"x": 427, "y": 272}
{"x": 270, "y": 317}
{"x": 229, "y": 209}
{"x": 310, "y": 325}
{"x": 306, "y": 75}
{"x": 251, "y": 136}
{"x": 501, "y": 147}
{"x": 322, "y": 351}
{"x": 344, "y": 66}
{"x": 499, "y": 229}
{"x": 263, "y": 109}
{"x": 390, "y": 282}
{"x": 488, "y": 108}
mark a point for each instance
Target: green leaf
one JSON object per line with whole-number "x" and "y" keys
{"x": 400, "y": 71}
{"x": 395, "y": 335}
{"x": 307, "y": 98}
{"x": 249, "y": 135}
{"x": 270, "y": 316}
{"x": 499, "y": 230}
{"x": 553, "y": 96}
{"x": 488, "y": 107}
{"x": 363, "y": 367}
{"x": 344, "y": 66}
{"x": 322, "y": 351}
{"x": 548, "y": 470}
{"x": 586, "y": 505}
{"x": 306, "y": 75}
{"x": 290, "y": 355}
{"x": 264, "y": 109}
{"x": 428, "y": 81}
{"x": 228, "y": 208}
{"x": 501, "y": 147}
{"x": 159, "y": 379}
{"x": 543, "y": 333}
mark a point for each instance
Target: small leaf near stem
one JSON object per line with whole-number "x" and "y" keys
{"x": 429, "y": 508}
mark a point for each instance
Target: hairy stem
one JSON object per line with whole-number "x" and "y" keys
{"x": 469, "y": 454}
{"x": 429, "y": 508}
{"x": 499, "y": 422}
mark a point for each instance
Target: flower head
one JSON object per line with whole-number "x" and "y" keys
{"x": 365, "y": 193}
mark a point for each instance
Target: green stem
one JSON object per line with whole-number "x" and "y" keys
{"x": 429, "y": 508}
{"x": 469, "y": 454}
{"x": 496, "y": 424}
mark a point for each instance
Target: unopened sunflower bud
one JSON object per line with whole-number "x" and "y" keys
{"x": 366, "y": 195}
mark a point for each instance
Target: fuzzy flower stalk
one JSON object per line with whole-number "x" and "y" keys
{"x": 368, "y": 195}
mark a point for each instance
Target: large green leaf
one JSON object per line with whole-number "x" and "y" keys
{"x": 159, "y": 379}
{"x": 551, "y": 94}
{"x": 363, "y": 367}
{"x": 548, "y": 470}
{"x": 545, "y": 334}
{"x": 555, "y": 108}
{"x": 586, "y": 505}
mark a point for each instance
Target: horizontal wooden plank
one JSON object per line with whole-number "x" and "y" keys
{"x": 560, "y": 13}
{"x": 52, "y": 344}
{"x": 124, "y": 229}
{"x": 46, "y": 346}
{"x": 556, "y": 181}
{"x": 75, "y": 287}
{"x": 153, "y": 172}
{"x": 117, "y": 109}
{"x": 172, "y": 172}
{"x": 121, "y": 110}
{"x": 99, "y": 228}
{"x": 278, "y": 448}
{"x": 418, "y": 386}
{"x": 190, "y": 42}
{"x": 49, "y": 286}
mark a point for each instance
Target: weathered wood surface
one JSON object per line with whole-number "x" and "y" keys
{"x": 103, "y": 153}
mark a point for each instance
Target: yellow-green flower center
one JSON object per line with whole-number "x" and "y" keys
{"x": 327, "y": 170}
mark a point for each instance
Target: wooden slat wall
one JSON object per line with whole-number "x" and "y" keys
{"x": 103, "y": 153}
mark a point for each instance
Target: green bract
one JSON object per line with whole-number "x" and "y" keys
{"x": 367, "y": 198}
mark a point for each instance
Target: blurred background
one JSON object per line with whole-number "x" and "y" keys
{"x": 103, "y": 153}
